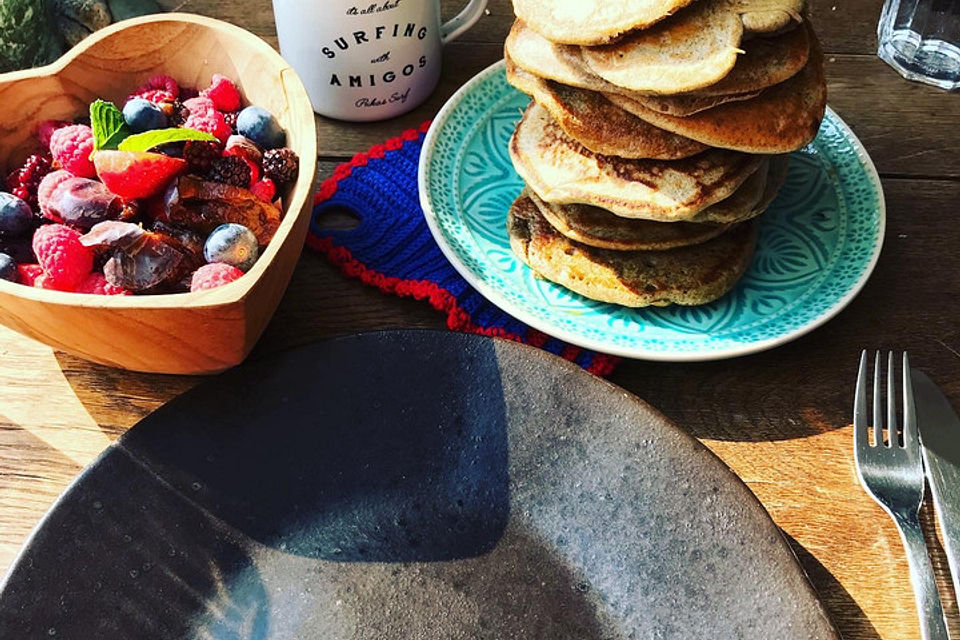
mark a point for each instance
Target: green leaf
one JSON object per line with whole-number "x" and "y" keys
{"x": 108, "y": 126}
{"x": 150, "y": 139}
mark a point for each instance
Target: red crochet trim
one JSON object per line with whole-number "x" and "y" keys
{"x": 440, "y": 299}
{"x": 376, "y": 152}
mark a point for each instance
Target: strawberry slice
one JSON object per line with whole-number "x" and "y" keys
{"x": 136, "y": 174}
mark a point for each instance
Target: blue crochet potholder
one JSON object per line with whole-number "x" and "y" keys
{"x": 392, "y": 247}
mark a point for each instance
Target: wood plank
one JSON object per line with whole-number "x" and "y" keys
{"x": 902, "y": 124}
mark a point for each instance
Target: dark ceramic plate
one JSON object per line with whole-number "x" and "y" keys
{"x": 408, "y": 485}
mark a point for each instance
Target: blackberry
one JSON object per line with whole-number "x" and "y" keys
{"x": 176, "y": 113}
{"x": 281, "y": 165}
{"x": 200, "y": 155}
{"x": 23, "y": 182}
{"x": 230, "y": 170}
{"x": 231, "y": 118}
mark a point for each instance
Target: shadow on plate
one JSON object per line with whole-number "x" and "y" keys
{"x": 312, "y": 469}
{"x": 836, "y": 599}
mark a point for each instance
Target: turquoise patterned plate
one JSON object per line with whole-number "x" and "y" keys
{"x": 818, "y": 242}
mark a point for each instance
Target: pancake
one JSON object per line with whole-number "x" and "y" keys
{"x": 768, "y": 16}
{"x": 599, "y": 228}
{"x": 687, "y": 105}
{"x": 685, "y": 275}
{"x": 782, "y": 118}
{"x": 592, "y": 21}
{"x": 562, "y": 171}
{"x": 694, "y": 49}
{"x": 561, "y": 63}
{"x": 596, "y": 123}
{"x": 764, "y": 63}
{"x": 752, "y": 198}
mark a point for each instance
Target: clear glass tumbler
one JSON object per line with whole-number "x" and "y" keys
{"x": 921, "y": 40}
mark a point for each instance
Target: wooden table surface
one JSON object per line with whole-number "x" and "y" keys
{"x": 780, "y": 419}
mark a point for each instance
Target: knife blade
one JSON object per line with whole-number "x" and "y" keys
{"x": 939, "y": 429}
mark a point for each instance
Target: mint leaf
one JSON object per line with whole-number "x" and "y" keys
{"x": 150, "y": 139}
{"x": 108, "y": 126}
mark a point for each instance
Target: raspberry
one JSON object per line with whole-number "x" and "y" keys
{"x": 161, "y": 81}
{"x": 156, "y": 96}
{"x": 223, "y": 93}
{"x": 281, "y": 165}
{"x": 96, "y": 283}
{"x": 200, "y": 105}
{"x": 29, "y": 273}
{"x": 45, "y": 191}
{"x": 213, "y": 275}
{"x": 25, "y": 181}
{"x": 159, "y": 88}
{"x": 264, "y": 189}
{"x": 71, "y": 148}
{"x": 43, "y": 281}
{"x": 46, "y": 128}
{"x": 65, "y": 261}
{"x": 205, "y": 117}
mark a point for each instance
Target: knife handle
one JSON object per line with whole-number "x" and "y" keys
{"x": 932, "y": 624}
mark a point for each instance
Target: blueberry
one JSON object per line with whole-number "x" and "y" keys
{"x": 142, "y": 115}
{"x": 233, "y": 244}
{"x": 8, "y": 268}
{"x": 16, "y": 217}
{"x": 20, "y": 249}
{"x": 259, "y": 125}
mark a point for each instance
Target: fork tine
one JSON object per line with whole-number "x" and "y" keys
{"x": 893, "y": 432}
{"x": 877, "y": 395}
{"x": 861, "y": 438}
{"x": 910, "y": 438}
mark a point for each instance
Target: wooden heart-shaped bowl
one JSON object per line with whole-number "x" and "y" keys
{"x": 202, "y": 332}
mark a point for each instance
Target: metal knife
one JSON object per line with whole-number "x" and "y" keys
{"x": 939, "y": 429}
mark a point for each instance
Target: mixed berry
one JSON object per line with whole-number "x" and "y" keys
{"x": 178, "y": 190}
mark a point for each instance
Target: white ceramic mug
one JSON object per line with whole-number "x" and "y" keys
{"x": 367, "y": 60}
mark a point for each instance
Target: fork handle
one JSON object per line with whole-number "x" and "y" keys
{"x": 932, "y": 625}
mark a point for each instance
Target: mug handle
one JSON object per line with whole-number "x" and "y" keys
{"x": 463, "y": 20}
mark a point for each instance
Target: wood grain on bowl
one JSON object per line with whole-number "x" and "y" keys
{"x": 201, "y": 332}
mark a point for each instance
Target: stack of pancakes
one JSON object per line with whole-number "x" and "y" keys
{"x": 657, "y": 133}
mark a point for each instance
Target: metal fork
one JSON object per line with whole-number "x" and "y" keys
{"x": 892, "y": 473}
